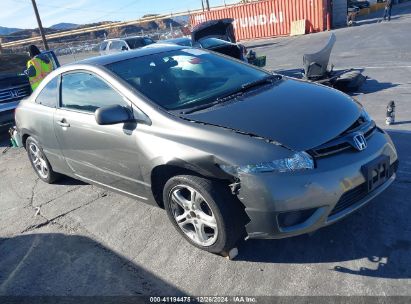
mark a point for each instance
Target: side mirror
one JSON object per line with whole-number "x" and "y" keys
{"x": 111, "y": 115}
{"x": 124, "y": 48}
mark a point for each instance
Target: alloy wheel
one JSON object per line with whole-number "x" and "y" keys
{"x": 38, "y": 160}
{"x": 193, "y": 215}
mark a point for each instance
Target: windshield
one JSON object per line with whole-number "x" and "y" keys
{"x": 185, "y": 78}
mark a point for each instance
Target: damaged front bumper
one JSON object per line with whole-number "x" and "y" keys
{"x": 281, "y": 205}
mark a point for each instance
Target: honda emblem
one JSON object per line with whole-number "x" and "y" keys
{"x": 360, "y": 142}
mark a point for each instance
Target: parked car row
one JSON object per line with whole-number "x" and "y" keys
{"x": 214, "y": 35}
{"x": 111, "y": 46}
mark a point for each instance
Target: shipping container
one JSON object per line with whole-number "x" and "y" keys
{"x": 270, "y": 18}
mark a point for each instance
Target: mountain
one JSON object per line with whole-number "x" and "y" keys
{"x": 182, "y": 20}
{"x": 143, "y": 28}
{"x": 8, "y": 30}
{"x": 64, "y": 26}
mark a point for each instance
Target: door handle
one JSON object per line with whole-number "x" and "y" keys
{"x": 62, "y": 123}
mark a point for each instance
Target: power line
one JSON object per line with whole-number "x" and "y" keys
{"x": 65, "y": 8}
{"x": 114, "y": 11}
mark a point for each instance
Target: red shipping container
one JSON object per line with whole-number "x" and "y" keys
{"x": 269, "y": 18}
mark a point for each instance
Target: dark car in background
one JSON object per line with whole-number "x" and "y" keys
{"x": 116, "y": 45}
{"x": 218, "y": 36}
{"x": 14, "y": 86}
{"x": 214, "y": 44}
{"x": 358, "y": 4}
{"x": 228, "y": 149}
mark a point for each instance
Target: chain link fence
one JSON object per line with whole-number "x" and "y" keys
{"x": 81, "y": 46}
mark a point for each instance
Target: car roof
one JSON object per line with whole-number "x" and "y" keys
{"x": 176, "y": 39}
{"x": 145, "y": 51}
{"x": 125, "y": 38}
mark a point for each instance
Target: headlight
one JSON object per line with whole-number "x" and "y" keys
{"x": 299, "y": 161}
{"x": 365, "y": 115}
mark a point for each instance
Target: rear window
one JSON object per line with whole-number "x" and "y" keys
{"x": 48, "y": 96}
{"x": 135, "y": 43}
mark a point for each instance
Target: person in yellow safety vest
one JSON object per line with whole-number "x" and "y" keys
{"x": 38, "y": 67}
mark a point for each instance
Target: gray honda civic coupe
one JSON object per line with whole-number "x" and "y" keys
{"x": 229, "y": 150}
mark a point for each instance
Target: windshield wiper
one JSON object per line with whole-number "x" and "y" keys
{"x": 201, "y": 107}
{"x": 267, "y": 79}
{"x": 234, "y": 93}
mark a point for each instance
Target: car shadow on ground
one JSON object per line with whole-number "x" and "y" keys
{"x": 373, "y": 85}
{"x": 369, "y": 86}
{"x": 380, "y": 233}
{"x": 404, "y": 122}
{"x": 4, "y": 140}
{"x": 68, "y": 181}
{"x": 258, "y": 45}
{"x": 375, "y": 19}
{"x": 51, "y": 264}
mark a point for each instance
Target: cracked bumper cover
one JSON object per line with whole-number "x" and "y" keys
{"x": 267, "y": 195}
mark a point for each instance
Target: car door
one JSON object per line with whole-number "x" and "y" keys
{"x": 53, "y": 58}
{"x": 41, "y": 124}
{"x": 103, "y": 154}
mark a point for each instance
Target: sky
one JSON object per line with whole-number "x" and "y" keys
{"x": 19, "y": 13}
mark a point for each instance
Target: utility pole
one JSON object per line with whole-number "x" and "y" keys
{"x": 43, "y": 37}
{"x": 208, "y": 5}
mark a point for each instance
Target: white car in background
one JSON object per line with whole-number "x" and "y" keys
{"x": 112, "y": 46}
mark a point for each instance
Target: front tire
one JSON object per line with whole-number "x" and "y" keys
{"x": 204, "y": 212}
{"x": 39, "y": 161}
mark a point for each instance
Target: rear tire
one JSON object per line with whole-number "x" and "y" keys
{"x": 39, "y": 161}
{"x": 204, "y": 212}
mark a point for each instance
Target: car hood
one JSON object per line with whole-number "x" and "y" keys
{"x": 12, "y": 80}
{"x": 296, "y": 114}
{"x": 222, "y": 29}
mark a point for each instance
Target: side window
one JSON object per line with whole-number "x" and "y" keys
{"x": 86, "y": 92}
{"x": 115, "y": 45}
{"x": 103, "y": 45}
{"x": 48, "y": 96}
{"x": 148, "y": 41}
{"x": 135, "y": 43}
{"x": 123, "y": 46}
